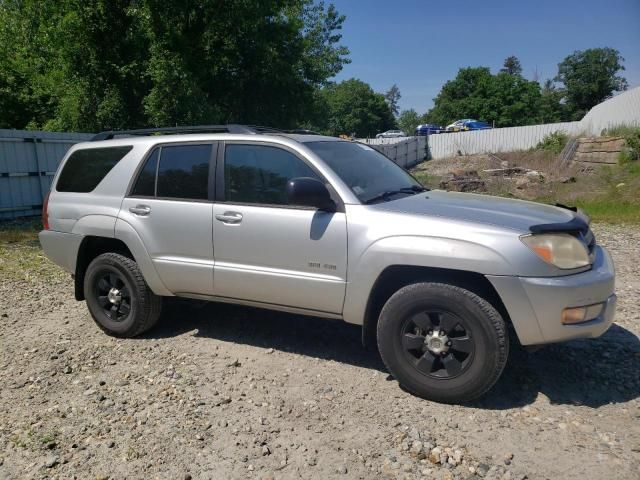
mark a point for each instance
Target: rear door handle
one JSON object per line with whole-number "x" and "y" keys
{"x": 229, "y": 217}
{"x": 141, "y": 210}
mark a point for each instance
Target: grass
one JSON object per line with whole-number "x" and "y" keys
{"x": 620, "y": 131}
{"x": 21, "y": 257}
{"x": 426, "y": 179}
{"x": 631, "y": 136}
{"x": 606, "y": 211}
{"x": 19, "y": 231}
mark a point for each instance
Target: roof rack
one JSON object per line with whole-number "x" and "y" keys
{"x": 229, "y": 128}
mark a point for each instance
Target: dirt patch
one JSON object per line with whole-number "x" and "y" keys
{"x": 226, "y": 392}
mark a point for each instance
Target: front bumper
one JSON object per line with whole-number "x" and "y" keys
{"x": 535, "y": 304}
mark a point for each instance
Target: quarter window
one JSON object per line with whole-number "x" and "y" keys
{"x": 184, "y": 171}
{"x": 85, "y": 169}
{"x": 259, "y": 174}
{"x": 146, "y": 183}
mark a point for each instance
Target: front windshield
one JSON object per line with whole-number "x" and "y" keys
{"x": 369, "y": 174}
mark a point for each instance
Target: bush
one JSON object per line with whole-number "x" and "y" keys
{"x": 632, "y": 148}
{"x": 631, "y": 137}
{"x": 554, "y": 142}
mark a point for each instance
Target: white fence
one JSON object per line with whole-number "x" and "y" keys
{"x": 496, "y": 140}
{"x": 623, "y": 109}
{"x": 405, "y": 151}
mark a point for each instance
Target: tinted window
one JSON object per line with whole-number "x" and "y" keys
{"x": 366, "y": 171}
{"x": 146, "y": 183}
{"x": 184, "y": 171}
{"x": 259, "y": 174}
{"x": 85, "y": 169}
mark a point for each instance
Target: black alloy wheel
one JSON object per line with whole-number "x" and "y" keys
{"x": 438, "y": 343}
{"x": 113, "y": 294}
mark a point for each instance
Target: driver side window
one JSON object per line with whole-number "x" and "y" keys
{"x": 259, "y": 174}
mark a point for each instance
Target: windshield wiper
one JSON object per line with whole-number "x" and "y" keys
{"x": 386, "y": 194}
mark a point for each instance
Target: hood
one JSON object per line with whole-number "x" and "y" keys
{"x": 508, "y": 213}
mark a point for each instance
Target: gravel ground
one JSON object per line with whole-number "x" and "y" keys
{"x": 226, "y": 392}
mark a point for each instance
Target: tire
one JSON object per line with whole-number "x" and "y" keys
{"x": 119, "y": 300}
{"x": 442, "y": 342}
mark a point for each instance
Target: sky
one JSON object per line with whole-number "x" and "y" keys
{"x": 420, "y": 44}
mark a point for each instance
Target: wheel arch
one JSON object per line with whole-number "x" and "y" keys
{"x": 90, "y": 247}
{"x": 395, "y": 277}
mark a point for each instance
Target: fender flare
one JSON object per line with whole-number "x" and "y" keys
{"x": 415, "y": 251}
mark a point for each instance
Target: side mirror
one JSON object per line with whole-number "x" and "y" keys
{"x": 310, "y": 192}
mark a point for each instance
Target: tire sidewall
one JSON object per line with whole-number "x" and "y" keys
{"x": 422, "y": 297}
{"x": 97, "y": 267}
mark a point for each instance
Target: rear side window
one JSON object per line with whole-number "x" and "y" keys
{"x": 184, "y": 171}
{"x": 85, "y": 169}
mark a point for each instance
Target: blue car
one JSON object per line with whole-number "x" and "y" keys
{"x": 428, "y": 129}
{"x": 466, "y": 125}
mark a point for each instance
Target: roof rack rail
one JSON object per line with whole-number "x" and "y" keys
{"x": 302, "y": 131}
{"x": 229, "y": 128}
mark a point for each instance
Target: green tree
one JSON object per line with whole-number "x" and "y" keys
{"x": 552, "y": 107}
{"x": 27, "y": 53}
{"x": 408, "y": 121}
{"x": 512, "y": 66}
{"x": 461, "y": 97}
{"x": 392, "y": 96}
{"x": 353, "y": 107}
{"x": 589, "y": 77}
{"x": 508, "y": 100}
{"x": 96, "y": 64}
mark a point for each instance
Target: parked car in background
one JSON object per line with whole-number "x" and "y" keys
{"x": 429, "y": 129}
{"x": 467, "y": 124}
{"x": 391, "y": 134}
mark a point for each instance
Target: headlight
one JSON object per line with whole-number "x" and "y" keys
{"x": 560, "y": 249}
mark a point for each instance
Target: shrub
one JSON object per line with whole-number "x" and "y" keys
{"x": 631, "y": 137}
{"x": 554, "y": 142}
{"x": 632, "y": 148}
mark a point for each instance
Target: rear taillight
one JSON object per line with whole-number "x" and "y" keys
{"x": 45, "y": 213}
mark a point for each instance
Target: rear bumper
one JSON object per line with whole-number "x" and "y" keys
{"x": 535, "y": 304}
{"x": 61, "y": 248}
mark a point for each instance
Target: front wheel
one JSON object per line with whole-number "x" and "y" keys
{"x": 442, "y": 342}
{"x": 118, "y": 298}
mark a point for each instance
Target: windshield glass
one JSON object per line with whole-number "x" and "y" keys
{"x": 367, "y": 172}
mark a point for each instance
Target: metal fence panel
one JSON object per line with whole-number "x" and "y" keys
{"x": 28, "y": 161}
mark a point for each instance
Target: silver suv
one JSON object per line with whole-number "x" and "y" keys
{"x": 324, "y": 227}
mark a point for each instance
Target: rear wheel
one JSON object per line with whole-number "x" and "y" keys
{"x": 442, "y": 342}
{"x": 118, "y": 298}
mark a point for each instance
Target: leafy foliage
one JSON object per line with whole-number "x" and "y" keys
{"x": 631, "y": 137}
{"x": 512, "y": 66}
{"x": 554, "y": 142}
{"x": 507, "y": 99}
{"x": 89, "y": 65}
{"x": 392, "y": 96}
{"x": 552, "y": 108}
{"x": 589, "y": 77}
{"x": 408, "y": 121}
{"x": 585, "y": 79}
{"x": 352, "y": 106}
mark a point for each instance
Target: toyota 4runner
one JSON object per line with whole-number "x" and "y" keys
{"x": 321, "y": 226}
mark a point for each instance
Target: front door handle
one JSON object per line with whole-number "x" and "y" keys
{"x": 141, "y": 210}
{"x": 229, "y": 217}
